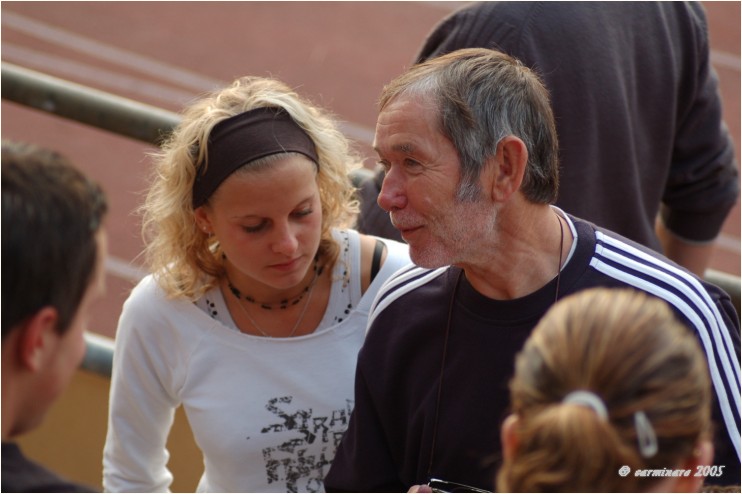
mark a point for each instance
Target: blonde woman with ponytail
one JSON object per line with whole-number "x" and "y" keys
{"x": 610, "y": 394}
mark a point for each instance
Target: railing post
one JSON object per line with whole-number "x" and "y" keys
{"x": 98, "y": 354}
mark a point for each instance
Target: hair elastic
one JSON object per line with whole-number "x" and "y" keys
{"x": 588, "y": 399}
{"x": 645, "y": 435}
{"x": 246, "y": 137}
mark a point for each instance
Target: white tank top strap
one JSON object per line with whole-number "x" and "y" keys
{"x": 345, "y": 292}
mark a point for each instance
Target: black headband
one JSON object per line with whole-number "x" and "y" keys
{"x": 246, "y": 137}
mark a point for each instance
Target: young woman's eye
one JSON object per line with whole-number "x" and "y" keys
{"x": 253, "y": 229}
{"x": 304, "y": 212}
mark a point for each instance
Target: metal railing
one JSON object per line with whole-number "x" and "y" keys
{"x": 86, "y": 105}
{"x": 150, "y": 124}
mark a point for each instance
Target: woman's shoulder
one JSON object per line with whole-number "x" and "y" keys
{"x": 147, "y": 291}
{"x": 398, "y": 250}
{"x": 163, "y": 322}
{"x": 148, "y": 301}
{"x": 391, "y": 253}
{"x": 396, "y": 254}
{"x": 380, "y": 258}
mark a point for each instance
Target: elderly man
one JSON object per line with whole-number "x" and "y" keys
{"x": 470, "y": 151}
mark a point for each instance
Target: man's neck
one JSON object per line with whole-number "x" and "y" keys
{"x": 12, "y": 384}
{"x": 524, "y": 257}
{"x": 7, "y": 418}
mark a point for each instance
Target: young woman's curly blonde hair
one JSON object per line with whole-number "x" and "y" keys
{"x": 186, "y": 262}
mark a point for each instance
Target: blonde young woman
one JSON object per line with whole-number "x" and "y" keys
{"x": 610, "y": 394}
{"x": 258, "y": 301}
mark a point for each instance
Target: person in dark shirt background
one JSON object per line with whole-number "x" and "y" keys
{"x": 643, "y": 148}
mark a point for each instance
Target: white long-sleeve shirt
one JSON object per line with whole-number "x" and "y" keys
{"x": 267, "y": 413}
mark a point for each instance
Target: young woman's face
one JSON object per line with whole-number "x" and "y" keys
{"x": 268, "y": 223}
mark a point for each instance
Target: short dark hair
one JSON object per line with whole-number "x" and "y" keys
{"x": 51, "y": 213}
{"x": 483, "y": 96}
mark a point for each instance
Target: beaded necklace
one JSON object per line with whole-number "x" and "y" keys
{"x": 285, "y": 303}
{"x": 296, "y": 325}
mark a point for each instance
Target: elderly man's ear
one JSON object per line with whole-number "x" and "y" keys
{"x": 506, "y": 168}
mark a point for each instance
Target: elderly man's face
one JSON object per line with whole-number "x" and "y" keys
{"x": 419, "y": 189}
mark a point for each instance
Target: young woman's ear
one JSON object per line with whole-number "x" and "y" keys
{"x": 703, "y": 455}
{"x": 509, "y": 436}
{"x": 38, "y": 338}
{"x": 203, "y": 221}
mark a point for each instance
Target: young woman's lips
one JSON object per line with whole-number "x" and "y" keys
{"x": 287, "y": 266}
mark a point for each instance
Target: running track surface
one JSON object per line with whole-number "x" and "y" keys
{"x": 339, "y": 54}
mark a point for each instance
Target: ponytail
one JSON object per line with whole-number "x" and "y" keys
{"x": 557, "y": 451}
{"x": 608, "y": 379}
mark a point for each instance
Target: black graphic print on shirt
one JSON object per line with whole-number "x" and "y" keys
{"x": 302, "y": 460}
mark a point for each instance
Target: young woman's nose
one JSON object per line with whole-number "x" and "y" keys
{"x": 285, "y": 239}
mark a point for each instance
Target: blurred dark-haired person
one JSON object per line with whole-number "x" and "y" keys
{"x": 53, "y": 246}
